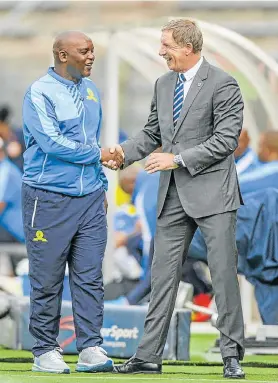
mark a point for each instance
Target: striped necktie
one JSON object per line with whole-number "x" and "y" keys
{"x": 178, "y": 98}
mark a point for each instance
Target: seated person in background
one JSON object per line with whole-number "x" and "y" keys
{"x": 10, "y": 196}
{"x": 256, "y": 238}
{"x": 245, "y": 157}
{"x": 266, "y": 175}
{"x": 143, "y": 188}
{"x": 127, "y": 255}
{"x": 11, "y": 227}
{"x": 193, "y": 273}
{"x": 13, "y": 138}
{"x": 122, "y": 198}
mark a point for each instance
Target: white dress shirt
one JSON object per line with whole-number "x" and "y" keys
{"x": 189, "y": 76}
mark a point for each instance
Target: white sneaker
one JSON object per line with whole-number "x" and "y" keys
{"x": 51, "y": 361}
{"x": 94, "y": 359}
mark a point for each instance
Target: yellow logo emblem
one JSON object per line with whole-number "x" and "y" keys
{"x": 91, "y": 95}
{"x": 39, "y": 237}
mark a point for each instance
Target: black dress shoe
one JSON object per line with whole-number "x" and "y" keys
{"x": 137, "y": 366}
{"x": 232, "y": 369}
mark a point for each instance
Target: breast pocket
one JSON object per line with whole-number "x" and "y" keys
{"x": 199, "y": 120}
{"x": 199, "y": 107}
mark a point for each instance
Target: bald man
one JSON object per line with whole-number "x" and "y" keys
{"x": 64, "y": 204}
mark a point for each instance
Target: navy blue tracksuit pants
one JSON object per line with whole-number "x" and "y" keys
{"x": 60, "y": 229}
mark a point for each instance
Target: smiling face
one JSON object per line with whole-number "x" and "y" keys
{"x": 80, "y": 57}
{"x": 176, "y": 56}
{"x": 74, "y": 52}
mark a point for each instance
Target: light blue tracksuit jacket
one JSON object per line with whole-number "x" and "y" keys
{"x": 61, "y": 125}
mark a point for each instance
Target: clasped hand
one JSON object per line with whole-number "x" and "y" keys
{"x": 113, "y": 157}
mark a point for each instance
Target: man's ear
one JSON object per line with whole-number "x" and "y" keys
{"x": 63, "y": 56}
{"x": 188, "y": 49}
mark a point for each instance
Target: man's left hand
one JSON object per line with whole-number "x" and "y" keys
{"x": 160, "y": 161}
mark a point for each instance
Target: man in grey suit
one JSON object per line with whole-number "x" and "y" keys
{"x": 196, "y": 116}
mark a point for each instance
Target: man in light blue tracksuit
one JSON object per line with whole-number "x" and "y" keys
{"x": 64, "y": 204}
{"x": 245, "y": 157}
{"x": 266, "y": 176}
{"x": 10, "y": 192}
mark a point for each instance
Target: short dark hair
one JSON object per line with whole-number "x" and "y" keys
{"x": 5, "y": 112}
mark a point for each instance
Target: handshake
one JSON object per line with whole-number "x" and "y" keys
{"x": 113, "y": 157}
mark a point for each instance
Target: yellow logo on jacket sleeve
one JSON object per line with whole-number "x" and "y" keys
{"x": 91, "y": 95}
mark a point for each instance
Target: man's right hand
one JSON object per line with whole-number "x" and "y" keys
{"x": 116, "y": 158}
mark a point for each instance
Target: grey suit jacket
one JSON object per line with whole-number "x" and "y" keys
{"x": 206, "y": 136}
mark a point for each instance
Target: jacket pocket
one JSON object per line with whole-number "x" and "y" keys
{"x": 34, "y": 211}
{"x": 214, "y": 168}
{"x": 203, "y": 106}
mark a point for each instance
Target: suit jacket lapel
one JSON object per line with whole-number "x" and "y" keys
{"x": 195, "y": 88}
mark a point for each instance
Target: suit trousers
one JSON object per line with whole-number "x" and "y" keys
{"x": 175, "y": 230}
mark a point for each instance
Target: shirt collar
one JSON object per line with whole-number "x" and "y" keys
{"x": 190, "y": 74}
{"x": 61, "y": 79}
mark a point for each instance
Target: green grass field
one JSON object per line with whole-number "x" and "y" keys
{"x": 15, "y": 367}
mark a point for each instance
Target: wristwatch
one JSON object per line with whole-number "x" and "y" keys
{"x": 178, "y": 160}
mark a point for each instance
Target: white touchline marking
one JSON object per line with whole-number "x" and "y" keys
{"x": 92, "y": 376}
